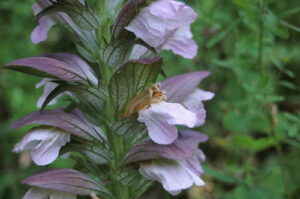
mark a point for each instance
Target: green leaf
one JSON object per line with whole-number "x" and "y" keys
{"x": 221, "y": 175}
{"x": 247, "y": 142}
{"x": 131, "y": 79}
{"x": 30, "y": 71}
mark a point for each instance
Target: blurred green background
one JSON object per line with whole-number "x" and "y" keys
{"x": 252, "y": 48}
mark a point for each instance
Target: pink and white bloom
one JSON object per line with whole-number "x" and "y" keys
{"x": 40, "y": 33}
{"x": 165, "y": 25}
{"x": 176, "y": 166}
{"x": 175, "y": 101}
{"x": 49, "y": 86}
{"x": 44, "y": 144}
{"x": 38, "y": 193}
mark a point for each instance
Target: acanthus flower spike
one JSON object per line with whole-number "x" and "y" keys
{"x": 120, "y": 124}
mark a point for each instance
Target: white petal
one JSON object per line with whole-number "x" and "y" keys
{"x": 170, "y": 174}
{"x": 160, "y": 119}
{"x": 48, "y": 88}
{"x": 194, "y": 168}
{"x": 44, "y": 144}
{"x": 159, "y": 130}
{"x": 62, "y": 195}
{"x": 174, "y": 113}
{"x": 36, "y": 193}
{"x": 193, "y": 102}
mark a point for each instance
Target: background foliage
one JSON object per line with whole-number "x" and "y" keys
{"x": 252, "y": 48}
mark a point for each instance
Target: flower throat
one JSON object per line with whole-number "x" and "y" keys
{"x": 150, "y": 96}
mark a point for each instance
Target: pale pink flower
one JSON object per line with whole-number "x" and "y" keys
{"x": 43, "y": 143}
{"x": 175, "y": 101}
{"x": 165, "y": 25}
{"x": 176, "y": 166}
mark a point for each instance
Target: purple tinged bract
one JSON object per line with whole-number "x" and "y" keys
{"x": 65, "y": 181}
{"x": 71, "y": 123}
{"x": 36, "y": 193}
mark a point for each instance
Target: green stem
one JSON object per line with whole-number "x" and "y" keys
{"x": 119, "y": 190}
{"x": 106, "y": 71}
{"x": 281, "y": 164}
{"x": 261, "y": 36}
{"x": 262, "y": 69}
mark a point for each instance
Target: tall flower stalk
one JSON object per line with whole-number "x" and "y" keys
{"x": 121, "y": 123}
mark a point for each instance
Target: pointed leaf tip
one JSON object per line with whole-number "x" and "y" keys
{"x": 66, "y": 180}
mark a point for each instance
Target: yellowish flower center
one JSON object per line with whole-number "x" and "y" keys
{"x": 150, "y": 96}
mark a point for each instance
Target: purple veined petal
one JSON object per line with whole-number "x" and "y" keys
{"x": 59, "y": 119}
{"x": 65, "y": 180}
{"x": 177, "y": 88}
{"x": 77, "y": 63}
{"x": 148, "y": 150}
{"x": 40, "y": 33}
{"x": 44, "y": 144}
{"x": 49, "y": 86}
{"x": 192, "y": 138}
{"x": 170, "y": 174}
{"x": 47, "y": 65}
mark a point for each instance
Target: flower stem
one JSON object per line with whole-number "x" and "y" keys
{"x": 261, "y": 36}
{"x": 120, "y": 191}
{"x": 262, "y": 69}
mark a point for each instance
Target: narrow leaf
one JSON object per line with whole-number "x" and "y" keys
{"x": 60, "y": 119}
{"x": 45, "y": 67}
{"x": 66, "y": 180}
